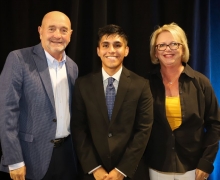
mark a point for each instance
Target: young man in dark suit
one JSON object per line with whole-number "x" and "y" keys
{"x": 112, "y": 113}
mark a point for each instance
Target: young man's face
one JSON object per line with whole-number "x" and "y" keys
{"x": 112, "y": 50}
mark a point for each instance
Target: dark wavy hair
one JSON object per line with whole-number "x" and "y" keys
{"x": 111, "y": 29}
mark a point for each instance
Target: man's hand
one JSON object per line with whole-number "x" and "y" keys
{"x": 18, "y": 174}
{"x": 100, "y": 174}
{"x": 201, "y": 175}
{"x": 115, "y": 175}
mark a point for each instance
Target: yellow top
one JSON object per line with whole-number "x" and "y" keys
{"x": 173, "y": 112}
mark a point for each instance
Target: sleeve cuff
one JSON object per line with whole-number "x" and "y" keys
{"x": 205, "y": 166}
{"x": 16, "y": 166}
{"x": 121, "y": 172}
{"x": 90, "y": 172}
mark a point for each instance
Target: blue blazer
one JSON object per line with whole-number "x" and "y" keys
{"x": 27, "y": 110}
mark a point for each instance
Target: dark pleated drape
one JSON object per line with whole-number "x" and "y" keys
{"x": 199, "y": 19}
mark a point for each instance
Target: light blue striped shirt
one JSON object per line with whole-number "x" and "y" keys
{"x": 60, "y": 87}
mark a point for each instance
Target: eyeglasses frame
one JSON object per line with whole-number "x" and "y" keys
{"x": 156, "y": 46}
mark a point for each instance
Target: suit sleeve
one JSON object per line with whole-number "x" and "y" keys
{"x": 10, "y": 93}
{"x": 81, "y": 134}
{"x": 142, "y": 129}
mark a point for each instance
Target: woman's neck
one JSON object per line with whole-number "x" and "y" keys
{"x": 171, "y": 74}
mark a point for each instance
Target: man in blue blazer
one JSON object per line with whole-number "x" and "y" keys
{"x": 35, "y": 99}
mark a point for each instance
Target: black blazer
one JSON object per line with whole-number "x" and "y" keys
{"x": 195, "y": 143}
{"x": 118, "y": 143}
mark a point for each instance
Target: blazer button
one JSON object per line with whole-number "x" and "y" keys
{"x": 110, "y": 135}
{"x": 54, "y": 120}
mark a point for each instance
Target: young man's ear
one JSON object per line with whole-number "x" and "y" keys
{"x": 126, "y": 51}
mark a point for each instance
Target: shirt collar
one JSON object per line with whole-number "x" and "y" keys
{"x": 51, "y": 59}
{"x": 187, "y": 70}
{"x": 116, "y": 76}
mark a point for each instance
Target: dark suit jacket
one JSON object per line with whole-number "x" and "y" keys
{"x": 121, "y": 142}
{"x": 27, "y": 110}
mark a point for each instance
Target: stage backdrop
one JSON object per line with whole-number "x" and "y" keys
{"x": 214, "y": 37}
{"x": 199, "y": 19}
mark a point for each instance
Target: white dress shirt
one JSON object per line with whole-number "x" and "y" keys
{"x": 116, "y": 76}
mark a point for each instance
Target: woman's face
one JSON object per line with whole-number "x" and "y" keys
{"x": 170, "y": 56}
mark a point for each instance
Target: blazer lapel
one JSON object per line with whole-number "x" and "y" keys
{"x": 100, "y": 95}
{"x": 69, "y": 71}
{"x": 42, "y": 66}
{"x": 121, "y": 92}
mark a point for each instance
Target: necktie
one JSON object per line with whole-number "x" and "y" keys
{"x": 110, "y": 96}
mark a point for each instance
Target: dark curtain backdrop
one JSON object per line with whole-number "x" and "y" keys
{"x": 200, "y": 19}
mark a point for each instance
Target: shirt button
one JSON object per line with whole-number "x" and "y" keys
{"x": 110, "y": 135}
{"x": 54, "y": 120}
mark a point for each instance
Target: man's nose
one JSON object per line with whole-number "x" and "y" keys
{"x": 111, "y": 48}
{"x": 57, "y": 33}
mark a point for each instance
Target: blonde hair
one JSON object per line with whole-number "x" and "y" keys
{"x": 177, "y": 33}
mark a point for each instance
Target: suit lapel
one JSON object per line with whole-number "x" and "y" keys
{"x": 121, "y": 92}
{"x": 42, "y": 66}
{"x": 69, "y": 71}
{"x": 100, "y": 95}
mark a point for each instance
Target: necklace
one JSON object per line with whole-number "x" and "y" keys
{"x": 169, "y": 82}
{"x": 175, "y": 76}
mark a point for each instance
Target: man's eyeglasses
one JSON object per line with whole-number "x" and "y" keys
{"x": 172, "y": 46}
